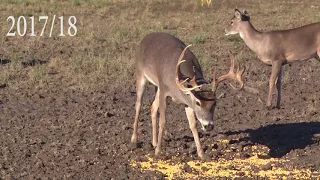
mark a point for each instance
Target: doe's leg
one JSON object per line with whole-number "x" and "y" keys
{"x": 279, "y": 87}
{"x": 276, "y": 66}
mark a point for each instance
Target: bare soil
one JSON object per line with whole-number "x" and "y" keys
{"x": 54, "y": 128}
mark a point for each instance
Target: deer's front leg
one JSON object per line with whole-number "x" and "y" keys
{"x": 276, "y": 66}
{"x": 193, "y": 127}
{"x": 162, "y": 121}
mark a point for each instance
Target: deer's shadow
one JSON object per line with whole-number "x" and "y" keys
{"x": 282, "y": 138}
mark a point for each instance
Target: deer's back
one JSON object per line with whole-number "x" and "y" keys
{"x": 293, "y": 44}
{"x": 157, "y": 56}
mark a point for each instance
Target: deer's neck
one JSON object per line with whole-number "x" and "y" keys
{"x": 180, "y": 97}
{"x": 251, "y": 37}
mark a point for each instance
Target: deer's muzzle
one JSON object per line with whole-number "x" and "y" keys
{"x": 207, "y": 127}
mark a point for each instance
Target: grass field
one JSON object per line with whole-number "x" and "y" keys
{"x": 67, "y": 103}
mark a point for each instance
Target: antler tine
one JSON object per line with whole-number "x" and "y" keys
{"x": 237, "y": 76}
{"x": 232, "y": 58}
{"x": 193, "y": 82}
{"x": 180, "y": 84}
{"x": 231, "y": 70}
{"x": 214, "y": 84}
{"x": 183, "y": 52}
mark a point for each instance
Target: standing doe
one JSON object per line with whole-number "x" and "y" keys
{"x": 277, "y": 48}
{"x": 166, "y": 62}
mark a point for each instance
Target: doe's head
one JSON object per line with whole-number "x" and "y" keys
{"x": 236, "y": 23}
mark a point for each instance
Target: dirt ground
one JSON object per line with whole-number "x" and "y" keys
{"x": 67, "y": 104}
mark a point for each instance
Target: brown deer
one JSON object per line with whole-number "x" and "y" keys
{"x": 277, "y": 48}
{"x": 166, "y": 62}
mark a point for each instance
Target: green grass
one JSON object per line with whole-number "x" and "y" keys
{"x": 109, "y": 31}
{"x": 24, "y": 2}
{"x": 235, "y": 39}
{"x": 199, "y": 39}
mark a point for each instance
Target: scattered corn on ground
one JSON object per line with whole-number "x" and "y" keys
{"x": 256, "y": 166}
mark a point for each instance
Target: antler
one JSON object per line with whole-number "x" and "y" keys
{"x": 192, "y": 81}
{"x": 213, "y": 83}
{"x": 237, "y": 76}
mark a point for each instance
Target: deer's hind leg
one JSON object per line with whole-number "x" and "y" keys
{"x": 318, "y": 57}
{"x": 162, "y": 120}
{"x": 154, "y": 110}
{"x": 140, "y": 86}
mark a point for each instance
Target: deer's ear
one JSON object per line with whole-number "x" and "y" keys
{"x": 237, "y": 14}
{"x": 245, "y": 16}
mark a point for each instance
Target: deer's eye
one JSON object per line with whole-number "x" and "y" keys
{"x": 231, "y": 22}
{"x": 198, "y": 103}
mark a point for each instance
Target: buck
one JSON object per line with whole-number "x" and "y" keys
{"x": 277, "y": 48}
{"x": 166, "y": 62}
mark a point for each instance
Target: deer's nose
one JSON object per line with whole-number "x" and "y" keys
{"x": 208, "y": 127}
{"x": 226, "y": 32}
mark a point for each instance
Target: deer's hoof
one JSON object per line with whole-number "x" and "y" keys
{"x": 157, "y": 151}
{"x": 134, "y": 139}
{"x": 201, "y": 156}
{"x": 269, "y": 107}
{"x": 154, "y": 144}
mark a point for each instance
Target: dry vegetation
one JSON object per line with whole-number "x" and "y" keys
{"x": 96, "y": 69}
{"x": 103, "y": 49}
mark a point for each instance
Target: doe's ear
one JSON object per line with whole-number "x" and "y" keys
{"x": 245, "y": 16}
{"x": 237, "y": 13}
